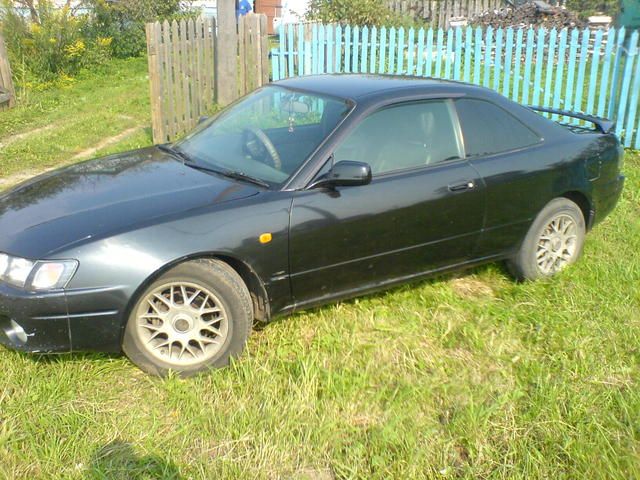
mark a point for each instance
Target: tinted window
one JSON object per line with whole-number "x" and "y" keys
{"x": 403, "y": 136}
{"x": 488, "y": 129}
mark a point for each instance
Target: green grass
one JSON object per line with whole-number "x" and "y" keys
{"x": 473, "y": 376}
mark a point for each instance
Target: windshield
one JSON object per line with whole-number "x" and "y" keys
{"x": 267, "y": 135}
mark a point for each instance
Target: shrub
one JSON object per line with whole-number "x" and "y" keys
{"x": 49, "y": 44}
{"x": 356, "y": 12}
{"x": 124, "y": 21}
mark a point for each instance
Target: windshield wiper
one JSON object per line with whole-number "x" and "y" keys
{"x": 243, "y": 176}
{"x": 228, "y": 173}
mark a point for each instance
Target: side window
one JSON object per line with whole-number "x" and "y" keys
{"x": 403, "y": 136}
{"x": 488, "y": 129}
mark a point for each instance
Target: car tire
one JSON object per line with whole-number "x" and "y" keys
{"x": 195, "y": 317}
{"x": 554, "y": 241}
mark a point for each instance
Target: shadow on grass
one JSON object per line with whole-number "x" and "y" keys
{"x": 384, "y": 291}
{"x": 118, "y": 460}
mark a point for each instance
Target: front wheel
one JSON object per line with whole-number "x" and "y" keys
{"x": 194, "y": 317}
{"x": 554, "y": 241}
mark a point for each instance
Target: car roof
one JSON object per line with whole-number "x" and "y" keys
{"x": 357, "y": 86}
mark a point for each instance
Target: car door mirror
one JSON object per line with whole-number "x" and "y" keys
{"x": 345, "y": 174}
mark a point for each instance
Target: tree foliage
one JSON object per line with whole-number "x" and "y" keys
{"x": 586, "y": 8}
{"x": 355, "y": 12}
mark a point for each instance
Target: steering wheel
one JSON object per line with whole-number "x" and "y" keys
{"x": 258, "y": 145}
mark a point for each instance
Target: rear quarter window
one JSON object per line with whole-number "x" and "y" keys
{"x": 488, "y": 129}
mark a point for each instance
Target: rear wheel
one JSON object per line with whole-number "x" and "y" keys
{"x": 194, "y": 317}
{"x": 554, "y": 241}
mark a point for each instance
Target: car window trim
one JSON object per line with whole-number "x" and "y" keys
{"x": 422, "y": 98}
{"x": 503, "y": 152}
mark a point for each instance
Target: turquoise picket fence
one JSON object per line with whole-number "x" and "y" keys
{"x": 593, "y": 72}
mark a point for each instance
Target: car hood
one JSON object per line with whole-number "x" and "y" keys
{"x": 104, "y": 196}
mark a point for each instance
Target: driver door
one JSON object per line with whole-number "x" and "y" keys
{"x": 423, "y": 210}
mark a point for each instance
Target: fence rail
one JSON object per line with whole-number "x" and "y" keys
{"x": 7, "y": 92}
{"x": 194, "y": 64}
{"x": 592, "y": 72}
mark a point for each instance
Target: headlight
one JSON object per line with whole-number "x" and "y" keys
{"x": 39, "y": 275}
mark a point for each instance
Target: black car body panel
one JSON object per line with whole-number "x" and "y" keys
{"x": 127, "y": 218}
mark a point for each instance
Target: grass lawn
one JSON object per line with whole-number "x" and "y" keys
{"x": 471, "y": 376}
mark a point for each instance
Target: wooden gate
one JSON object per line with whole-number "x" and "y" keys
{"x": 7, "y": 92}
{"x": 196, "y": 64}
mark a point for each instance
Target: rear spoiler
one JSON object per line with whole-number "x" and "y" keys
{"x": 602, "y": 125}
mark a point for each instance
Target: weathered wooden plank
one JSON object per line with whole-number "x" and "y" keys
{"x": 242, "y": 54}
{"x": 264, "y": 49}
{"x": 6, "y": 80}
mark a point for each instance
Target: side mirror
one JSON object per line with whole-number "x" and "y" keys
{"x": 345, "y": 174}
{"x": 202, "y": 119}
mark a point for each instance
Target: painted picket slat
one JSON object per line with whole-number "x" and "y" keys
{"x": 355, "y": 48}
{"x": 468, "y": 40}
{"x": 374, "y": 49}
{"x": 515, "y": 92}
{"x": 606, "y": 67}
{"x": 632, "y": 50}
{"x": 328, "y": 35}
{"x": 537, "y": 81}
{"x": 439, "y": 53}
{"x": 364, "y": 60}
{"x": 497, "y": 62}
{"x": 457, "y": 65}
{"x": 551, "y": 55}
{"x": 582, "y": 67}
{"x": 400, "y": 54}
{"x": 429, "y": 54}
{"x": 557, "y": 90}
{"x": 300, "y": 49}
{"x": 347, "y": 49}
{"x": 321, "y": 65}
{"x": 630, "y": 128}
{"x": 282, "y": 45}
{"x": 615, "y": 79}
{"x": 392, "y": 49}
{"x": 315, "y": 66}
{"x": 593, "y": 74}
{"x": 487, "y": 56}
{"x": 448, "y": 54}
{"x": 420, "y": 53}
{"x": 338, "y": 55}
{"x": 411, "y": 51}
{"x": 383, "y": 49}
{"x": 477, "y": 56}
{"x": 506, "y": 84}
{"x": 571, "y": 70}
{"x": 290, "y": 50}
{"x": 528, "y": 64}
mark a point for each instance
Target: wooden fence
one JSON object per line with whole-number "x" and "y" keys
{"x": 7, "y": 92}
{"x": 438, "y": 13}
{"x": 593, "y": 72}
{"x": 196, "y": 64}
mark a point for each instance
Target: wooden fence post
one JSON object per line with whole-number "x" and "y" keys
{"x": 226, "y": 53}
{"x": 6, "y": 82}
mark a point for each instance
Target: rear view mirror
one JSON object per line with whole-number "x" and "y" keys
{"x": 295, "y": 106}
{"x": 345, "y": 174}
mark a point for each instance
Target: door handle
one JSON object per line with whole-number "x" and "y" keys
{"x": 461, "y": 187}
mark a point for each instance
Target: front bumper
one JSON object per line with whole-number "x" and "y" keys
{"x": 63, "y": 321}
